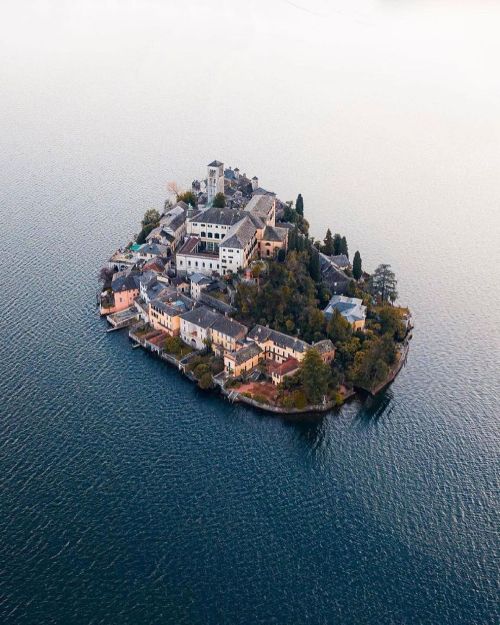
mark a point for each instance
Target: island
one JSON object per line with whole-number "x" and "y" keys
{"x": 227, "y": 285}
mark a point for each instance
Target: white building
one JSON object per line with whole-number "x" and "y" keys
{"x": 215, "y": 180}
{"x": 213, "y": 224}
{"x": 239, "y": 246}
{"x": 199, "y": 282}
{"x": 189, "y": 259}
{"x": 195, "y": 326}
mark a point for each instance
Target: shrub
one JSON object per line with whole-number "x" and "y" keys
{"x": 299, "y": 399}
{"x": 287, "y": 401}
{"x": 260, "y": 399}
{"x": 173, "y": 345}
{"x": 200, "y": 370}
{"x": 217, "y": 365}
{"x": 205, "y": 381}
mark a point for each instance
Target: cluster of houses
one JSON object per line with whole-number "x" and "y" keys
{"x": 175, "y": 281}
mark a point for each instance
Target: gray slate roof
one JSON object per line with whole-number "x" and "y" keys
{"x": 215, "y": 164}
{"x": 324, "y": 346}
{"x": 240, "y": 234}
{"x": 201, "y": 316}
{"x": 260, "y": 204}
{"x": 173, "y": 309}
{"x": 127, "y": 282}
{"x": 341, "y": 261}
{"x": 219, "y": 216}
{"x": 229, "y": 327}
{"x": 245, "y": 353}
{"x": 351, "y": 308}
{"x": 199, "y": 278}
{"x": 261, "y": 333}
{"x": 216, "y": 304}
{"x": 274, "y": 234}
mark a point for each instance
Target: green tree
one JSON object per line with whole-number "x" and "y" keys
{"x": 357, "y": 271}
{"x": 314, "y": 265}
{"x": 151, "y": 216}
{"x": 299, "y": 205}
{"x": 150, "y": 221}
{"x": 219, "y": 201}
{"x": 338, "y": 328}
{"x": 337, "y": 244}
{"x": 383, "y": 284}
{"x": 343, "y": 247}
{"x": 205, "y": 381}
{"x": 314, "y": 376}
{"x": 390, "y": 322}
{"x": 372, "y": 363}
{"x": 328, "y": 243}
{"x": 189, "y": 197}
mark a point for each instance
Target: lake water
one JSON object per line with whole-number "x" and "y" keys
{"x": 128, "y": 496}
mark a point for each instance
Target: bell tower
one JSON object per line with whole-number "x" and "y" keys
{"x": 215, "y": 180}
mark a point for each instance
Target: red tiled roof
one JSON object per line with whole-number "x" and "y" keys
{"x": 289, "y": 365}
{"x": 189, "y": 245}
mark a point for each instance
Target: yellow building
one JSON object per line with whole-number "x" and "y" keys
{"x": 243, "y": 360}
{"x": 165, "y": 316}
{"x": 276, "y": 345}
{"x": 225, "y": 334}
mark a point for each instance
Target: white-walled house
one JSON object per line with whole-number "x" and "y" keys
{"x": 195, "y": 326}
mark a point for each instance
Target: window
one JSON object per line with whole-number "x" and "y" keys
{"x": 203, "y": 234}
{"x": 210, "y": 235}
{"x": 216, "y": 235}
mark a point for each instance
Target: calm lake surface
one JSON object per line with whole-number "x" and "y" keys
{"x": 127, "y": 495}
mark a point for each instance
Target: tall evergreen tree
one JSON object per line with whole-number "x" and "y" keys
{"x": 383, "y": 283}
{"x": 328, "y": 243}
{"x": 343, "y": 247}
{"x": 337, "y": 244}
{"x": 357, "y": 271}
{"x": 299, "y": 204}
{"x": 314, "y": 266}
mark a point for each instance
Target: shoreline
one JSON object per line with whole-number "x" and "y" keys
{"x": 234, "y": 396}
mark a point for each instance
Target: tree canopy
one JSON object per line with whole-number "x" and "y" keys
{"x": 150, "y": 221}
{"x": 314, "y": 376}
{"x": 189, "y": 197}
{"x": 299, "y": 204}
{"x": 328, "y": 247}
{"x": 219, "y": 201}
{"x": 357, "y": 270}
{"x": 383, "y": 284}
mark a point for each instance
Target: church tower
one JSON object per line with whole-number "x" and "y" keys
{"x": 215, "y": 180}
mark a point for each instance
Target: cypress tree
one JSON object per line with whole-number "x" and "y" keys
{"x": 328, "y": 246}
{"x": 299, "y": 205}
{"x": 314, "y": 266}
{"x": 337, "y": 244}
{"x": 343, "y": 247}
{"x": 356, "y": 266}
